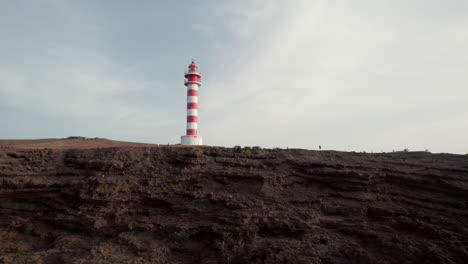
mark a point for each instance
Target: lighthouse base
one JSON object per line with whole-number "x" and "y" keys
{"x": 191, "y": 140}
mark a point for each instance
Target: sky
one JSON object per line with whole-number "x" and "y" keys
{"x": 363, "y": 75}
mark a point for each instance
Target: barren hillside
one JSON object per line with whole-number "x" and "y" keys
{"x": 68, "y": 143}
{"x": 76, "y": 203}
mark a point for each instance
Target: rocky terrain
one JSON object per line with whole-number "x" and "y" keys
{"x": 129, "y": 203}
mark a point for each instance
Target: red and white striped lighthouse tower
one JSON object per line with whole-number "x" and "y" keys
{"x": 192, "y": 82}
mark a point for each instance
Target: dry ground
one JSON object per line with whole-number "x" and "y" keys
{"x": 99, "y": 201}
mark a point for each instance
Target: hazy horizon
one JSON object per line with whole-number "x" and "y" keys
{"x": 358, "y": 76}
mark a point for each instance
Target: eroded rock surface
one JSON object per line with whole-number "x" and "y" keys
{"x": 217, "y": 205}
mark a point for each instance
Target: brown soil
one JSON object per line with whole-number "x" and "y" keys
{"x": 159, "y": 204}
{"x": 68, "y": 143}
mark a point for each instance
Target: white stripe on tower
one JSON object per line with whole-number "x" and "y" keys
{"x": 192, "y": 99}
{"x": 192, "y": 125}
{"x": 192, "y": 112}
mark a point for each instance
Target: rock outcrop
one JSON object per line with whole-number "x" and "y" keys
{"x": 221, "y": 205}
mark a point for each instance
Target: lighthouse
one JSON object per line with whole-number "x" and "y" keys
{"x": 192, "y": 81}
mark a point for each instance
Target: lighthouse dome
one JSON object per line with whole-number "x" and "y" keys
{"x": 193, "y": 64}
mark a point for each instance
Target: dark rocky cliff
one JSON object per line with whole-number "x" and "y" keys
{"x": 216, "y": 205}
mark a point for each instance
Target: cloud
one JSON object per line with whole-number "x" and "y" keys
{"x": 361, "y": 75}
{"x": 68, "y": 73}
{"x": 339, "y": 73}
{"x": 86, "y": 95}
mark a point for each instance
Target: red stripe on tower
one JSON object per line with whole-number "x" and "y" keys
{"x": 192, "y": 92}
{"x": 192, "y": 119}
{"x": 191, "y": 132}
{"x": 192, "y": 106}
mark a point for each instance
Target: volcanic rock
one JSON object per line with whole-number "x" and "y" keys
{"x": 164, "y": 204}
